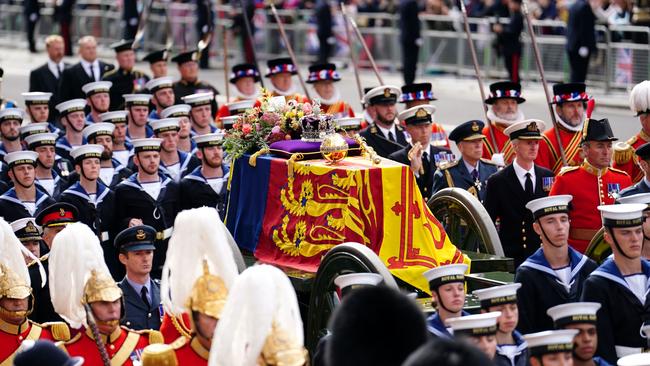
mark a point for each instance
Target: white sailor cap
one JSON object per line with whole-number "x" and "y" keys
{"x": 73, "y": 105}
{"x": 114, "y": 117}
{"x": 87, "y": 151}
{"x": 96, "y": 87}
{"x": 228, "y": 121}
{"x": 549, "y": 205}
{"x": 348, "y": 123}
{"x": 156, "y": 84}
{"x": 638, "y": 359}
{"x": 529, "y": 129}
{"x": 98, "y": 129}
{"x": 349, "y": 282}
{"x": 497, "y": 295}
{"x": 241, "y": 106}
{"x": 643, "y": 198}
{"x": 178, "y": 110}
{"x": 198, "y": 99}
{"x": 9, "y": 114}
{"x": 36, "y": 97}
{"x": 137, "y": 99}
{"x": 417, "y": 115}
{"x": 34, "y": 128}
{"x": 550, "y": 341}
{"x": 385, "y": 94}
{"x": 475, "y": 325}
{"x": 148, "y": 144}
{"x": 26, "y": 229}
{"x": 209, "y": 139}
{"x": 21, "y": 157}
{"x": 623, "y": 215}
{"x": 41, "y": 139}
{"x": 165, "y": 124}
{"x": 573, "y": 313}
{"x": 449, "y": 273}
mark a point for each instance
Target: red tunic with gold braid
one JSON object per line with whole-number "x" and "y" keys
{"x": 626, "y": 160}
{"x": 505, "y": 147}
{"x": 124, "y": 346}
{"x": 549, "y": 155}
{"x": 190, "y": 352}
{"x": 338, "y": 110}
{"x": 173, "y": 327}
{"x": 12, "y": 336}
{"x": 590, "y": 187}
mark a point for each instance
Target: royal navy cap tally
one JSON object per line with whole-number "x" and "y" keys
{"x": 165, "y": 125}
{"x": 477, "y": 325}
{"x": 530, "y": 129}
{"x": 21, "y": 157}
{"x": 96, "y": 87}
{"x": 98, "y": 129}
{"x": 449, "y": 273}
{"x": 550, "y": 341}
{"x": 573, "y": 313}
{"x": 505, "y": 90}
{"x": 137, "y": 99}
{"x": 209, "y": 139}
{"x": 244, "y": 70}
{"x": 322, "y": 72}
{"x": 349, "y": 282}
{"x": 384, "y": 94}
{"x": 497, "y": 295}
{"x": 549, "y": 205}
{"x": 421, "y": 114}
{"x": 348, "y": 123}
{"x": 33, "y": 129}
{"x": 597, "y": 130}
{"x": 41, "y": 139}
{"x": 57, "y": 214}
{"x": 26, "y": 229}
{"x": 11, "y": 114}
{"x": 70, "y": 106}
{"x": 114, "y": 117}
{"x": 228, "y": 122}
{"x": 570, "y": 92}
{"x": 141, "y": 237}
{"x": 122, "y": 45}
{"x": 198, "y": 99}
{"x": 33, "y": 98}
{"x": 467, "y": 131}
{"x": 280, "y": 65}
{"x": 622, "y": 215}
{"x": 156, "y": 84}
{"x": 240, "y": 106}
{"x": 188, "y": 56}
{"x": 148, "y": 144}
{"x": 178, "y": 110}
{"x": 156, "y": 56}
{"x": 417, "y": 92}
{"x": 87, "y": 151}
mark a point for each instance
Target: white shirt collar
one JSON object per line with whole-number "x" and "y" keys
{"x": 386, "y": 130}
{"x": 55, "y": 68}
{"x": 521, "y": 174}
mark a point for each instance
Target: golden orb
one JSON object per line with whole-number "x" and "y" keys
{"x": 334, "y": 148}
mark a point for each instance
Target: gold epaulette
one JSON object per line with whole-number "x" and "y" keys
{"x": 60, "y": 330}
{"x": 110, "y": 73}
{"x": 447, "y": 165}
{"x": 566, "y": 169}
{"x": 179, "y": 342}
{"x": 41, "y": 259}
{"x": 618, "y": 171}
{"x": 623, "y": 153}
{"x": 74, "y": 339}
{"x": 488, "y": 161}
{"x": 154, "y": 335}
{"x": 632, "y": 140}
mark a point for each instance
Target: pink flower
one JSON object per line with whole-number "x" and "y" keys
{"x": 307, "y": 108}
{"x": 246, "y": 129}
{"x": 275, "y": 129}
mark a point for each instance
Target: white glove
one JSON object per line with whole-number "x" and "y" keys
{"x": 583, "y": 52}
{"x": 418, "y": 42}
{"x": 498, "y": 159}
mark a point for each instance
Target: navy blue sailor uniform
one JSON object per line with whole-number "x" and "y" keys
{"x": 187, "y": 164}
{"x": 436, "y": 327}
{"x": 120, "y": 173}
{"x": 512, "y": 354}
{"x": 63, "y": 147}
{"x": 542, "y": 288}
{"x": 195, "y": 191}
{"x": 57, "y": 186}
{"x": 12, "y": 208}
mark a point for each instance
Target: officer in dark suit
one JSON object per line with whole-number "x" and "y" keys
{"x": 410, "y": 40}
{"x": 141, "y": 293}
{"x": 32, "y": 12}
{"x": 157, "y": 63}
{"x": 189, "y": 82}
{"x": 419, "y": 154}
{"x": 45, "y": 78}
{"x": 383, "y": 134}
{"x": 206, "y": 185}
{"x": 89, "y": 69}
{"x": 643, "y": 186}
{"x": 470, "y": 172}
{"x": 126, "y": 79}
{"x": 130, "y": 18}
{"x": 509, "y": 190}
{"x": 326, "y": 38}
{"x": 580, "y": 39}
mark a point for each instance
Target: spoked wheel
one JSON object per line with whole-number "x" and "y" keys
{"x": 598, "y": 248}
{"x": 342, "y": 259}
{"x": 466, "y": 222}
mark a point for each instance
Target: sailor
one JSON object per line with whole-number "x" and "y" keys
{"x": 551, "y": 347}
{"x": 125, "y": 78}
{"x": 98, "y": 98}
{"x": 643, "y": 198}
{"x": 200, "y": 114}
{"x": 182, "y": 112}
{"x": 470, "y": 172}
{"x": 157, "y": 62}
{"x": 173, "y": 162}
{"x": 37, "y": 106}
{"x": 621, "y": 282}
{"x": 447, "y": 284}
{"x": 80, "y": 282}
{"x": 10, "y": 121}
{"x": 47, "y": 177}
{"x": 511, "y": 188}
{"x": 206, "y": 185}
{"x": 71, "y": 114}
{"x": 280, "y": 72}
{"x": 25, "y": 198}
{"x": 591, "y": 184}
{"x": 642, "y": 158}
{"x": 111, "y": 171}
{"x": 30, "y": 237}
{"x": 419, "y": 154}
{"x": 137, "y": 106}
{"x": 147, "y": 198}
{"x": 162, "y": 95}
{"x": 189, "y": 82}
{"x": 582, "y": 317}
{"x": 555, "y": 273}
{"x": 122, "y": 149}
{"x": 479, "y": 330}
{"x": 504, "y": 99}
{"x": 421, "y": 94}
{"x": 384, "y": 134}
{"x": 570, "y": 101}
{"x": 511, "y": 349}
{"x": 322, "y": 77}
{"x": 348, "y": 126}
{"x": 624, "y": 157}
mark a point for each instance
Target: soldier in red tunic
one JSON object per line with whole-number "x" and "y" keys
{"x": 418, "y": 94}
{"x": 593, "y": 183}
{"x": 570, "y": 103}
{"x": 624, "y": 157}
{"x": 323, "y": 77}
{"x": 505, "y": 97}
{"x": 80, "y": 280}
{"x": 245, "y": 78}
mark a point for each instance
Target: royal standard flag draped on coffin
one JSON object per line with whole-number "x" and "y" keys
{"x": 292, "y": 214}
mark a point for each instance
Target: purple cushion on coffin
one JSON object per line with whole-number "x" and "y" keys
{"x": 286, "y": 148}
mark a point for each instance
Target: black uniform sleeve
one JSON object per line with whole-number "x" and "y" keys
{"x": 593, "y": 292}
{"x": 439, "y": 181}
{"x": 122, "y": 217}
{"x": 492, "y": 202}
{"x": 526, "y": 300}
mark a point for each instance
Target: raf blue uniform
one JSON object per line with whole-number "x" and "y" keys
{"x": 457, "y": 175}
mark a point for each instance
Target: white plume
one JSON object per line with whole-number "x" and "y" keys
{"x": 75, "y": 253}
{"x": 198, "y": 234}
{"x": 261, "y": 295}
{"x": 11, "y": 252}
{"x": 640, "y": 97}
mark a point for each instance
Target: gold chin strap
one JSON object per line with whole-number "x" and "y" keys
{"x": 280, "y": 349}
{"x": 208, "y": 295}
{"x": 101, "y": 287}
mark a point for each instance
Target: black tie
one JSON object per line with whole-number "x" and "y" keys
{"x": 390, "y": 136}
{"x": 143, "y": 294}
{"x": 529, "y": 185}
{"x": 425, "y": 161}
{"x": 475, "y": 174}
{"x": 60, "y": 68}
{"x": 92, "y": 72}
